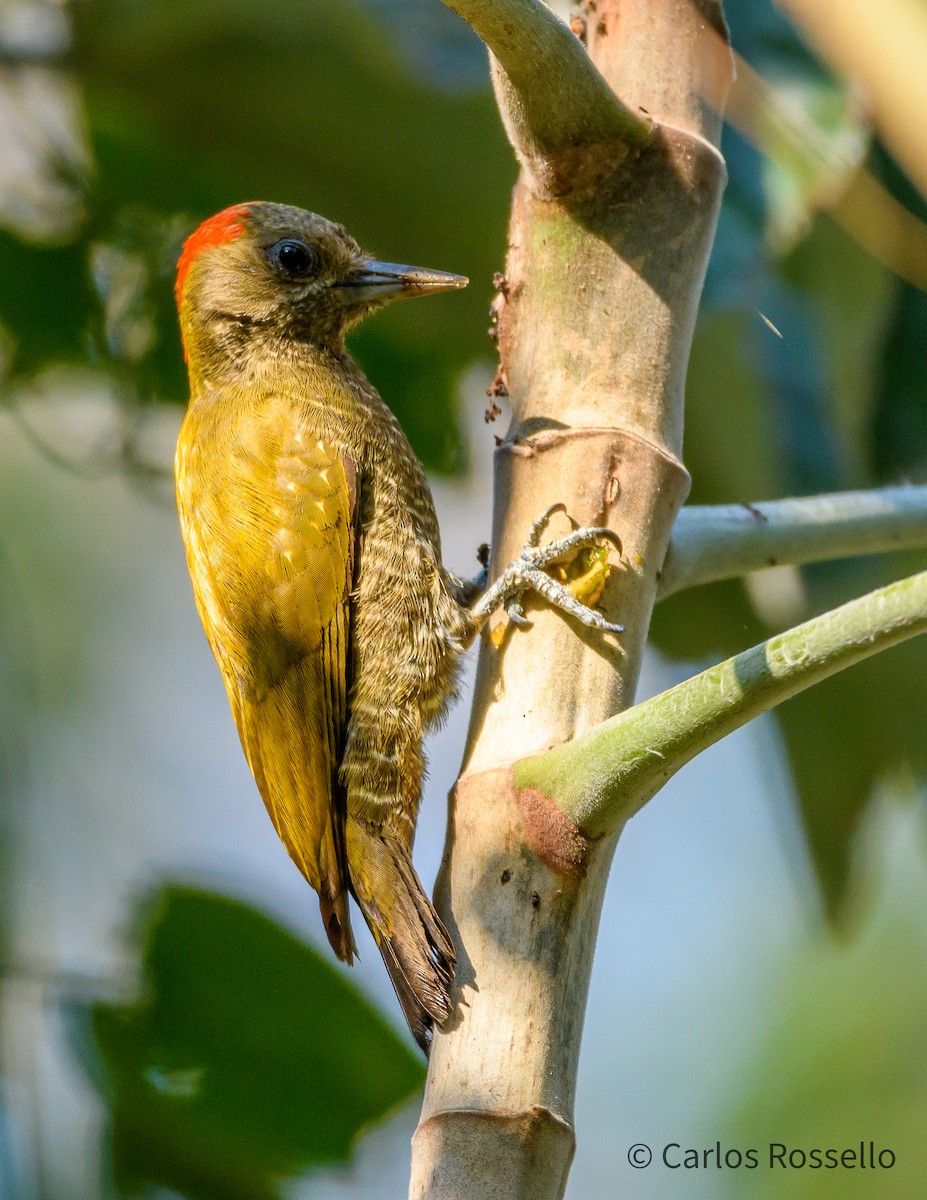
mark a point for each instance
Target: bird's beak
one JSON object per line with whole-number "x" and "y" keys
{"x": 372, "y": 281}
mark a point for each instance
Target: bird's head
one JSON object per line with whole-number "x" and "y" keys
{"x": 260, "y": 269}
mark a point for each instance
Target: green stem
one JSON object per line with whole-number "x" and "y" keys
{"x": 556, "y": 93}
{"x": 605, "y": 776}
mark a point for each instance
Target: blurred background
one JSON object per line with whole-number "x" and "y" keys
{"x": 171, "y": 1020}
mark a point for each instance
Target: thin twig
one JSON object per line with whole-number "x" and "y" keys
{"x": 725, "y": 541}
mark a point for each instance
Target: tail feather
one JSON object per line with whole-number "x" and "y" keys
{"x": 416, "y": 947}
{"x": 333, "y": 894}
{"x": 421, "y": 1012}
{"x": 337, "y": 923}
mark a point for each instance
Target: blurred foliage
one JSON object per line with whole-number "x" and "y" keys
{"x": 834, "y": 397}
{"x": 246, "y": 1059}
{"x": 189, "y": 108}
{"x": 16, "y": 703}
{"x": 186, "y": 109}
{"x": 842, "y": 1060}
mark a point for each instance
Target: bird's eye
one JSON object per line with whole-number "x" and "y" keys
{"x": 294, "y": 259}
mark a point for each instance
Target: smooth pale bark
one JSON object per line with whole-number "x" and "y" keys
{"x": 609, "y": 240}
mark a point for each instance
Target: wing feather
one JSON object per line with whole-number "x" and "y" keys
{"x": 271, "y": 553}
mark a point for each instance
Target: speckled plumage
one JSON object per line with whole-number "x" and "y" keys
{"x": 315, "y": 556}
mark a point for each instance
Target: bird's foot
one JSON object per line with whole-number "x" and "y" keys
{"x": 569, "y": 573}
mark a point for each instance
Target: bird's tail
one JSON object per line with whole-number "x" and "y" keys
{"x": 416, "y": 948}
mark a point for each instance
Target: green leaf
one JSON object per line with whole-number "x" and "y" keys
{"x": 854, "y": 731}
{"x": 47, "y": 301}
{"x": 246, "y": 1059}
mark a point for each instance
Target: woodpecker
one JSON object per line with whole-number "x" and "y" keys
{"x": 315, "y": 556}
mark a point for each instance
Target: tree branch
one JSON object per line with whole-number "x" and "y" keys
{"x": 608, "y": 774}
{"x": 725, "y": 541}
{"x": 554, "y": 96}
{"x": 599, "y": 235}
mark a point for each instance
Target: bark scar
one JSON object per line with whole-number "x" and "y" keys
{"x": 555, "y": 839}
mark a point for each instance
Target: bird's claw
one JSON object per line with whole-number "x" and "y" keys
{"x": 540, "y": 524}
{"x": 529, "y": 573}
{"x": 516, "y": 614}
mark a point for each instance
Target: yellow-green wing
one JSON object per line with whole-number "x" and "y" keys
{"x": 271, "y": 548}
